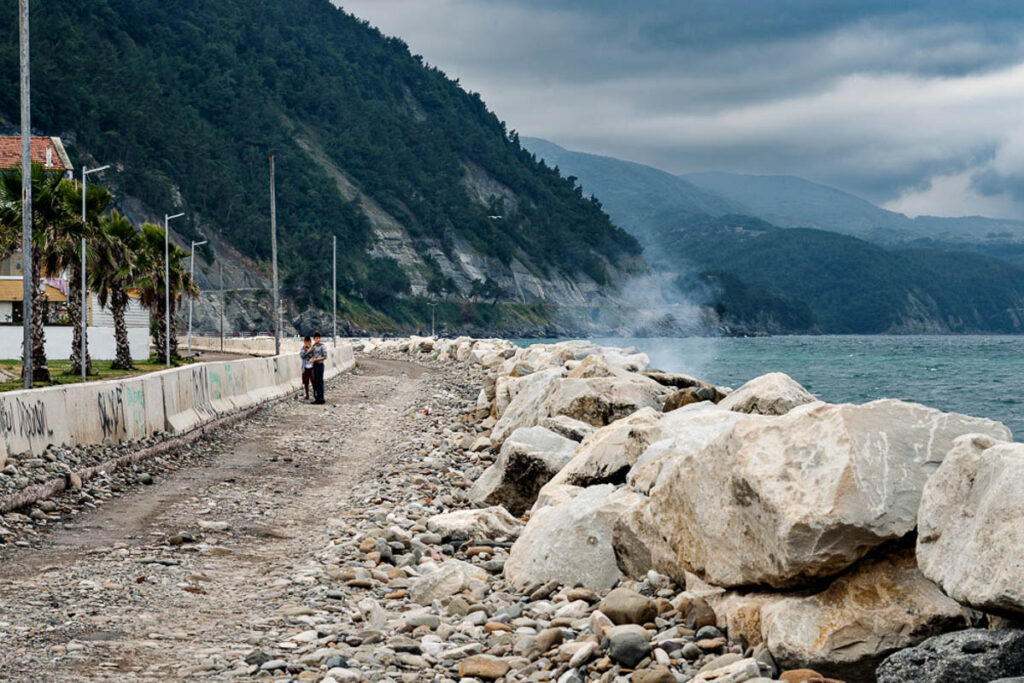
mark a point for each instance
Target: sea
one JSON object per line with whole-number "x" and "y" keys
{"x": 975, "y": 375}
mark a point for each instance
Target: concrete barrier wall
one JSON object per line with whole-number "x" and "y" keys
{"x": 176, "y": 400}
{"x": 122, "y": 410}
{"x": 32, "y": 420}
{"x": 253, "y": 346}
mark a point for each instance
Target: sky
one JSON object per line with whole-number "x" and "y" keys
{"x": 917, "y": 106}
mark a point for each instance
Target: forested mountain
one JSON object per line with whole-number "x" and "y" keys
{"x": 424, "y": 188}
{"x": 848, "y": 284}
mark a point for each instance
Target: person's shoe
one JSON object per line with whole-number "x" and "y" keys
{"x": 319, "y": 403}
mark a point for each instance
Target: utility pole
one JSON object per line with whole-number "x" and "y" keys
{"x": 433, "y": 309}
{"x": 192, "y": 274}
{"x": 28, "y": 280}
{"x": 273, "y": 253}
{"x": 223, "y": 303}
{"x": 85, "y": 318}
{"x": 334, "y": 296}
{"x": 167, "y": 285}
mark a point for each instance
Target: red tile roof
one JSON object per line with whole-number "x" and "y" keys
{"x": 10, "y": 152}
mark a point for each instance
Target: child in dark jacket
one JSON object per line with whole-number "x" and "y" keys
{"x": 307, "y": 364}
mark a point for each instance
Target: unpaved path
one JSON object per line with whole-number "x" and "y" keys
{"x": 108, "y": 598}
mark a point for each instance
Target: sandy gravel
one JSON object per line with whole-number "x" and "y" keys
{"x": 110, "y": 596}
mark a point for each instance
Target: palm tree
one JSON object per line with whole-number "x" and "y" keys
{"x": 51, "y": 217}
{"x": 63, "y": 251}
{"x": 151, "y": 283}
{"x": 115, "y": 269}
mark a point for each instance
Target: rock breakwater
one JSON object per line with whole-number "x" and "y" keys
{"x": 748, "y": 535}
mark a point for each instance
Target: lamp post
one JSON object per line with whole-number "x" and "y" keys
{"x": 85, "y": 318}
{"x": 167, "y": 285}
{"x": 334, "y": 295}
{"x": 433, "y": 308}
{"x": 191, "y": 274}
{"x": 27, "y": 276}
{"x": 223, "y": 303}
{"x": 273, "y": 253}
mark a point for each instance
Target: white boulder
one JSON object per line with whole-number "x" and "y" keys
{"x": 596, "y": 400}
{"x": 606, "y": 455}
{"x": 970, "y": 537}
{"x": 684, "y": 432}
{"x": 572, "y": 543}
{"x": 528, "y": 459}
{"x": 773, "y": 394}
{"x": 782, "y": 500}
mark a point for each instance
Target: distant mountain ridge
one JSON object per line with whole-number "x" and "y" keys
{"x": 792, "y": 202}
{"x": 782, "y": 254}
{"x": 643, "y": 199}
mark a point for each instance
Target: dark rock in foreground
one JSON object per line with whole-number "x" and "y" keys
{"x": 972, "y": 656}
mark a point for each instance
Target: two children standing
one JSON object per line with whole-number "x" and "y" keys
{"x": 313, "y": 355}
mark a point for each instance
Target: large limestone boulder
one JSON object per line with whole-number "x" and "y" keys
{"x": 773, "y": 394}
{"x": 686, "y": 431}
{"x": 554, "y": 495}
{"x": 971, "y": 656}
{"x": 572, "y": 543}
{"x": 881, "y": 606}
{"x": 491, "y": 353}
{"x": 568, "y": 427}
{"x": 528, "y": 459}
{"x": 970, "y": 537}
{"x": 475, "y": 525}
{"x": 596, "y": 400}
{"x": 782, "y": 500}
{"x": 639, "y": 547}
{"x": 515, "y": 397}
{"x": 606, "y": 455}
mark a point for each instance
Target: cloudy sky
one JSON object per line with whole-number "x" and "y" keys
{"x": 915, "y": 105}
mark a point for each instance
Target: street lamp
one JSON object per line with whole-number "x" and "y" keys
{"x": 433, "y": 308}
{"x": 28, "y": 282}
{"x": 167, "y": 285}
{"x": 85, "y": 318}
{"x": 191, "y": 274}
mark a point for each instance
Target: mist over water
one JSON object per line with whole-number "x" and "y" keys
{"x": 652, "y": 304}
{"x": 974, "y": 375}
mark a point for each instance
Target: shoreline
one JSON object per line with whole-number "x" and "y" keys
{"x": 582, "y": 445}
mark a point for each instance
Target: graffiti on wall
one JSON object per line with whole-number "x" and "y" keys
{"x": 115, "y": 406}
{"x": 24, "y": 418}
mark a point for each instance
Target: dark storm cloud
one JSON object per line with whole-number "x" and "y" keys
{"x": 898, "y": 101}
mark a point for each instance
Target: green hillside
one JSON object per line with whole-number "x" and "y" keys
{"x": 853, "y": 286}
{"x": 188, "y": 98}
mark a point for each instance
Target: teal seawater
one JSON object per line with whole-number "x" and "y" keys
{"x": 974, "y": 375}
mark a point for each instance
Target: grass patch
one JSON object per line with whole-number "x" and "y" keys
{"x": 60, "y": 371}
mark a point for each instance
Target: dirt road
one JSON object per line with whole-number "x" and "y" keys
{"x": 177, "y": 579}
